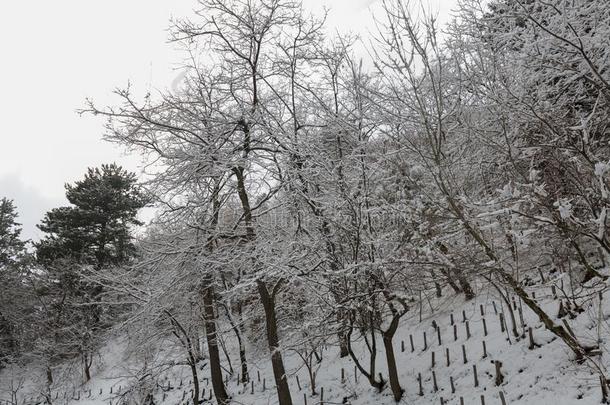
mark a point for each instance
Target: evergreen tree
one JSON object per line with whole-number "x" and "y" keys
{"x": 11, "y": 246}
{"x": 12, "y": 256}
{"x": 92, "y": 234}
{"x": 95, "y": 230}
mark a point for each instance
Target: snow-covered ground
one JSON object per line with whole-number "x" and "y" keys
{"x": 546, "y": 374}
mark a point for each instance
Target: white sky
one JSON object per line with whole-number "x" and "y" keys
{"x": 54, "y": 54}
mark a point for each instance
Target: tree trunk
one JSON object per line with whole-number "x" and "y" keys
{"x": 211, "y": 337}
{"x": 279, "y": 373}
{"x": 242, "y": 348}
{"x": 87, "y": 360}
{"x": 388, "y": 335}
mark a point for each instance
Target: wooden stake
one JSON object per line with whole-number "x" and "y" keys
{"x": 499, "y": 376}
{"x": 452, "y": 385}
{"x": 264, "y": 384}
{"x": 461, "y": 400}
{"x": 464, "y": 354}
{"x": 484, "y": 350}
{"x": 435, "y": 385}
{"x": 438, "y": 334}
{"x": 252, "y": 386}
{"x": 258, "y": 373}
{"x": 463, "y": 316}
{"x": 495, "y": 308}
{"x": 484, "y": 327}
{"x": 467, "y": 330}
{"x": 502, "y": 322}
{"x": 455, "y": 333}
{"x": 322, "y": 396}
{"x": 402, "y": 346}
{"x": 342, "y": 375}
{"x": 412, "y": 346}
{"x": 305, "y": 399}
{"x": 299, "y": 382}
{"x": 476, "y": 376}
{"x": 482, "y": 399}
{"x": 447, "y": 356}
{"x": 425, "y": 342}
{"x": 531, "y": 336}
{"x": 421, "y": 388}
{"x": 482, "y": 310}
{"x": 451, "y": 316}
{"x": 433, "y": 362}
{"x": 502, "y": 399}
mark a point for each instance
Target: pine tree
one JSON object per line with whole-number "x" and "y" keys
{"x": 11, "y": 246}
{"x": 95, "y": 230}
{"x": 92, "y": 234}
{"x": 12, "y": 255}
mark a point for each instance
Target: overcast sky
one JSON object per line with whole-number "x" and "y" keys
{"x": 57, "y": 53}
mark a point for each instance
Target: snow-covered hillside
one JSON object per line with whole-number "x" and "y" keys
{"x": 455, "y": 349}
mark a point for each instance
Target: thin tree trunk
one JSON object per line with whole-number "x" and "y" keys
{"x": 212, "y": 339}
{"x": 245, "y": 377}
{"x": 388, "y": 335}
{"x": 279, "y": 372}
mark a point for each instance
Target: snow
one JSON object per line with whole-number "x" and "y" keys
{"x": 545, "y": 375}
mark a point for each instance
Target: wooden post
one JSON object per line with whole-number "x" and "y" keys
{"x": 412, "y": 346}
{"x": 451, "y": 316}
{"x": 435, "y": 385}
{"x": 421, "y": 388}
{"x": 264, "y": 384}
{"x": 461, "y": 400}
{"x": 455, "y": 333}
{"x": 484, "y": 350}
{"x": 342, "y": 375}
{"x": 452, "y": 385}
{"x": 433, "y": 360}
{"x": 514, "y": 302}
{"x": 463, "y": 316}
{"x": 258, "y": 373}
{"x": 476, "y": 376}
{"x": 502, "y": 322}
{"x": 482, "y": 310}
{"x": 464, "y": 354}
{"x": 534, "y": 295}
{"x": 447, "y": 356}
{"x": 502, "y": 399}
{"x": 467, "y": 330}
{"x": 554, "y": 292}
{"x": 252, "y": 386}
{"x": 531, "y": 336}
{"x": 484, "y": 327}
{"x": 482, "y": 399}
{"x": 355, "y": 374}
{"x": 402, "y": 346}
{"x": 499, "y": 376}
{"x": 495, "y": 308}
{"x": 305, "y": 399}
{"x": 425, "y": 342}
{"x": 521, "y": 319}
{"x": 438, "y": 334}
{"x": 321, "y": 395}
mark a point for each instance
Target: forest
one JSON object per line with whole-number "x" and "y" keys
{"x": 321, "y": 200}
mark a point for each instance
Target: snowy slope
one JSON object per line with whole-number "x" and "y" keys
{"x": 543, "y": 375}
